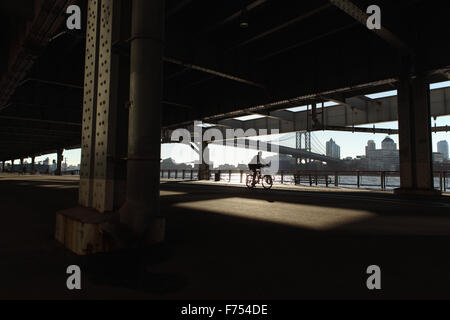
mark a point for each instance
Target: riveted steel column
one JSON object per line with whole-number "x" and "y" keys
{"x": 89, "y": 105}
{"x": 103, "y": 183}
{"x": 141, "y": 212}
{"x": 105, "y": 127}
{"x": 109, "y": 173}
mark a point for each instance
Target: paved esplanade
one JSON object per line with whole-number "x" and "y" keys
{"x": 229, "y": 242}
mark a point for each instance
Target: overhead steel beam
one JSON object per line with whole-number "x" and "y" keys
{"x": 52, "y": 83}
{"x": 441, "y": 129}
{"x": 170, "y": 103}
{"x": 445, "y": 72}
{"x": 234, "y": 16}
{"x": 281, "y": 26}
{"x": 298, "y": 101}
{"x": 177, "y": 74}
{"x": 339, "y": 117}
{"x": 213, "y": 72}
{"x": 40, "y": 106}
{"x": 40, "y": 130}
{"x": 41, "y": 120}
{"x": 359, "y": 129}
{"x": 182, "y": 4}
{"x": 356, "y": 13}
{"x": 35, "y": 135}
{"x": 305, "y": 42}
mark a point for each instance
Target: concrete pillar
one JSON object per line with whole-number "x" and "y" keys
{"x": 33, "y": 162}
{"x": 141, "y": 211}
{"x": 416, "y": 174}
{"x": 59, "y": 160}
{"x": 203, "y": 168}
{"x": 12, "y": 165}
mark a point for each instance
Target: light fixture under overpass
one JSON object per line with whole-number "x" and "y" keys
{"x": 243, "y": 20}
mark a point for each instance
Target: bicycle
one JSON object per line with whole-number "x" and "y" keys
{"x": 267, "y": 180}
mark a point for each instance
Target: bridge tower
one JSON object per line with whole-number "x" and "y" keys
{"x": 307, "y": 143}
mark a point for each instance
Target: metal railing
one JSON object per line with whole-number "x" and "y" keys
{"x": 383, "y": 180}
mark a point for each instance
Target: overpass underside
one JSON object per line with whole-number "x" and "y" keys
{"x": 142, "y": 67}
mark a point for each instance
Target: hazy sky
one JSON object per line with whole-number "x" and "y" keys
{"x": 352, "y": 144}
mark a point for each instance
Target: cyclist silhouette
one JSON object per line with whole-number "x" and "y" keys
{"x": 256, "y": 164}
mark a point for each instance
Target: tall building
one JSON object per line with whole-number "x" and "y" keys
{"x": 333, "y": 150}
{"x": 370, "y": 146}
{"x": 442, "y": 148}
{"x": 388, "y": 144}
{"x": 386, "y": 158}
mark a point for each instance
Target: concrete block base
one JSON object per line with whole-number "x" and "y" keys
{"x": 78, "y": 229}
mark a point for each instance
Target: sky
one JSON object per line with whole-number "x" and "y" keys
{"x": 352, "y": 144}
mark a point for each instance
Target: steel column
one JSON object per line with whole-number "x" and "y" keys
{"x": 33, "y": 163}
{"x": 111, "y": 124}
{"x": 105, "y": 127}
{"x": 415, "y": 135}
{"x": 89, "y": 105}
{"x": 59, "y": 159}
{"x": 203, "y": 168}
{"x": 141, "y": 211}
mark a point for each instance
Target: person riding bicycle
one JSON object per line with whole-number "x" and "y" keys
{"x": 256, "y": 164}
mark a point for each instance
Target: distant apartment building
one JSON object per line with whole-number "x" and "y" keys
{"x": 333, "y": 150}
{"x": 370, "y": 146}
{"x": 386, "y": 158}
{"x": 442, "y": 148}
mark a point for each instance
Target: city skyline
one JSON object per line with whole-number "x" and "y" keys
{"x": 352, "y": 144}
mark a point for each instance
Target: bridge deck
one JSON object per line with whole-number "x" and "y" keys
{"x": 229, "y": 242}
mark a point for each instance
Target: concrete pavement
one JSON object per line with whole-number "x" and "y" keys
{"x": 230, "y": 242}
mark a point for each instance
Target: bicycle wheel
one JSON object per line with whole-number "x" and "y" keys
{"x": 249, "y": 181}
{"x": 267, "y": 182}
